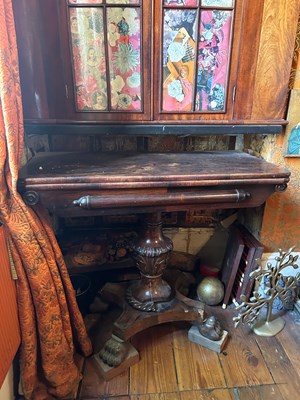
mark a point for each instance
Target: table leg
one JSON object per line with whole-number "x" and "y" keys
{"x": 150, "y": 252}
{"x": 150, "y": 300}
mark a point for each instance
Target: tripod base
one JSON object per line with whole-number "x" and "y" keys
{"x": 118, "y": 354}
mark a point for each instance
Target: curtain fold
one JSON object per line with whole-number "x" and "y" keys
{"x": 49, "y": 317}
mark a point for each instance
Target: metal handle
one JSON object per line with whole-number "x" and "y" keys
{"x": 126, "y": 200}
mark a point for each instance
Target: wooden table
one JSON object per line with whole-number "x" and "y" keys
{"x": 73, "y": 184}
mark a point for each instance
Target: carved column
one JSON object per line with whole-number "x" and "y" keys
{"x": 151, "y": 251}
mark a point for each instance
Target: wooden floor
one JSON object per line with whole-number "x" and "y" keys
{"x": 173, "y": 368}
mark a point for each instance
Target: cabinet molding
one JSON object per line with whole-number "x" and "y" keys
{"x": 150, "y": 129}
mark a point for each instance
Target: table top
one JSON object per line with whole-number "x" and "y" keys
{"x": 139, "y": 170}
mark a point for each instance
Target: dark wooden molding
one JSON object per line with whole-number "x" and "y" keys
{"x": 149, "y": 129}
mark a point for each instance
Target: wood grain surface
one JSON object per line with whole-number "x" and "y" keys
{"x": 155, "y": 373}
{"x": 274, "y": 58}
{"x": 263, "y": 392}
{"x": 216, "y": 394}
{"x": 197, "y": 367}
{"x": 242, "y": 350}
{"x": 173, "y": 368}
{"x": 94, "y": 386}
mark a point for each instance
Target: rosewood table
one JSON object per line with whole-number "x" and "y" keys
{"x": 73, "y": 184}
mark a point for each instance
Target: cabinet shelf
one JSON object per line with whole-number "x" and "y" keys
{"x": 107, "y": 266}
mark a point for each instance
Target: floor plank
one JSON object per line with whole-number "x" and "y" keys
{"x": 197, "y": 367}
{"x": 216, "y": 394}
{"x": 106, "y": 398}
{"x": 290, "y": 390}
{"x": 156, "y": 396}
{"x": 286, "y": 366}
{"x": 264, "y": 392}
{"x": 173, "y": 368}
{"x": 93, "y": 385}
{"x": 277, "y": 360}
{"x": 155, "y": 373}
{"x": 289, "y": 338}
{"x": 242, "y": 361}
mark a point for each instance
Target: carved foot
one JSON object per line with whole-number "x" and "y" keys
{"x": 114, "y": 351}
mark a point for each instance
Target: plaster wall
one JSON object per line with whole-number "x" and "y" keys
{"x": 6, "y": 390}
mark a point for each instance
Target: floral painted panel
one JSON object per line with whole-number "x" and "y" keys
{"x": 176, "y": 3}
{"x": 87, "y": 38}
{"x": 218, "y": 3}
{"x": 213, "y": 60}
{"x": 124, "y": 50}
{"x": 179, "y": 50}
{"x": 123, "y": 2}
{"x": 85, "y": 1}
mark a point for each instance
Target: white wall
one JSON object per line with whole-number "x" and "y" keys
{"x": 6, "y": 390}
{"x": 289, "y": 271}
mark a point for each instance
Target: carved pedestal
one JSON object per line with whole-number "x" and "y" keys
{"x": 151, "y": 252}
{"x": 150, "y": 300}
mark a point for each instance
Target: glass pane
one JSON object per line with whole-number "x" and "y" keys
{"x": 176, "y": 3}
{"x": 88, "y": 58}
{"x": 178, "y": 59}
{"x": 218, "y": 3}
{"x": 213, "y": 60}
{"x": 85, "y": 1}
{"x": 124, "y": 50}
{"x": 123, "y": 2}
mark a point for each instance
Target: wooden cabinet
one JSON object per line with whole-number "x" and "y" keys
{"x": 155, "y": 62}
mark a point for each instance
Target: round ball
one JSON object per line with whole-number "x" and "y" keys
{"x": 211, "y": 291}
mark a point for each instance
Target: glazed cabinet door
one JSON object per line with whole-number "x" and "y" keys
{"x": 109, "y": 49}
{"x": 84, "y": 60}
{"x": 196, "y": 55}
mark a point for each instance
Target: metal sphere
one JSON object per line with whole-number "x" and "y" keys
{"x": 211, "y": 291}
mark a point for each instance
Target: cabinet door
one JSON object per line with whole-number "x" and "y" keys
{"x": 109, "y": 55}
{"x": 84, "y": 60}
{"x": 197, "y": 55}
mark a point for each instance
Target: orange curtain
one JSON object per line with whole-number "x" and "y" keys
{"x": 50, "y": 321}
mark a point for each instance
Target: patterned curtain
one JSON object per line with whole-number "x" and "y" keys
{"x": 51, "y": 325}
